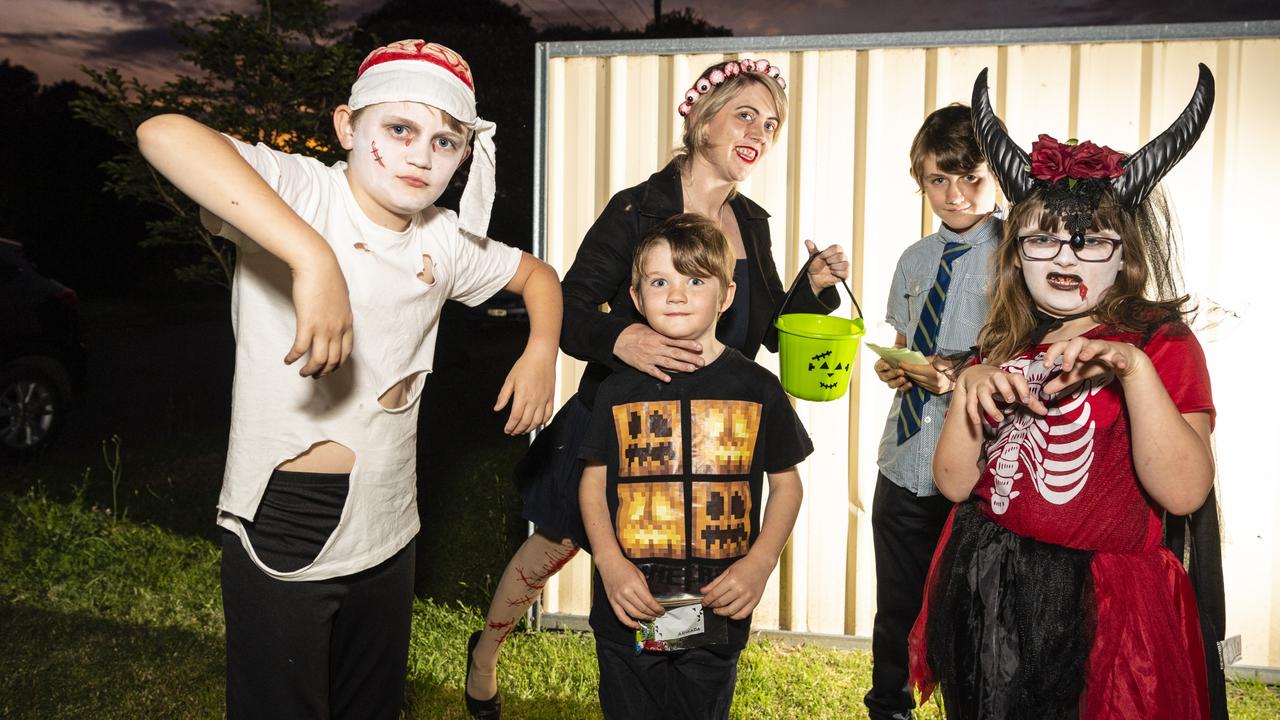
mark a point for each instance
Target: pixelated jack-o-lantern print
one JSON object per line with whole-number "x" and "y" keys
{"x": 649, "y": 438}
{"x": 724, "y": 436}
{"x": 650, "y": 521}
{"x": 721, "y": 519}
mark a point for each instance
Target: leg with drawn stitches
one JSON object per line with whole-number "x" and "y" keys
{"x": 539, "y": 558}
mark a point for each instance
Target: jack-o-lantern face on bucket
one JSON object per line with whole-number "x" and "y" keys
{"x": 721, "y": 519}
{"x": 724, "y": 436}
{"x": 649, "y": 438}
{"x": 829, "y": 372}
{"x": 650, "y": 522}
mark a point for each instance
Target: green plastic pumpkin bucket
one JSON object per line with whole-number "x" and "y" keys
{"x": 817, "y": 350}
{"x": 817, "y": 354}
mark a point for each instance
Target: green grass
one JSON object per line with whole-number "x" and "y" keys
{"x": 106, "y": 617}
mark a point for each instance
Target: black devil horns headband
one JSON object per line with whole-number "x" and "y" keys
{"x": 1073, "y": 176}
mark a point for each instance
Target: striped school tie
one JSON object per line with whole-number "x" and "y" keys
{"x": 925, "y": 339}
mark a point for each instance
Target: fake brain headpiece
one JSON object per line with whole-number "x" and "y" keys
{"x": 432, "y": 74}
{"x": 1073, "y": 177}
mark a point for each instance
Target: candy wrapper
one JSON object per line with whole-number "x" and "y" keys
{"x": 685, "y": 624}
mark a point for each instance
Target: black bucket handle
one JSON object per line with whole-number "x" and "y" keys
{"x": 804, "y": 271}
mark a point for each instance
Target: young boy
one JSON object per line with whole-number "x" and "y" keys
{"x": 938, "y": 299}
{"x": 672, "y": 491}
{"x": 319, "y": 497}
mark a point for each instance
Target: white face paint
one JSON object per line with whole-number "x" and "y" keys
{"x": 402, "y": 156}
{"x": 1064, "y": 285}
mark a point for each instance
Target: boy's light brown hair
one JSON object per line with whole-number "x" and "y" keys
{"x": 947, "y": 134}
{"x": 698, "y": 249}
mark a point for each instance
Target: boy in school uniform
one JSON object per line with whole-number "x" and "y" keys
{"x": 350, "y": 264}
{"x": 673, "y": 488}
{"x": 937, "y": 304}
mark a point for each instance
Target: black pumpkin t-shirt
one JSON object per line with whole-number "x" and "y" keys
{"x": 685, "y": 463}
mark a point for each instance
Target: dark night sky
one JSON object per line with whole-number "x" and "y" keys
{"x": 56, "y": 37}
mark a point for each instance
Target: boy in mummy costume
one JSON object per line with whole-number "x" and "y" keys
{"x": 1088, "y": 417}
{"x": 319, "y": 499}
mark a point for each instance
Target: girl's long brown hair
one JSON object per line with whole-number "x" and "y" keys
{"x": 1146, "y": 293}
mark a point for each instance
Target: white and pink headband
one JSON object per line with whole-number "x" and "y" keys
{"x": 720, "y": 73}
{"x": 432, "y": 74}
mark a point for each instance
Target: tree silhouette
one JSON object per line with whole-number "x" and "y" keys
{"x": 51, "y": 196}
{"x": 683, "y": 23}
{"x": 276, "y": 75}
{"x": 497, "y": 41}
{"x": 273, "y": 76}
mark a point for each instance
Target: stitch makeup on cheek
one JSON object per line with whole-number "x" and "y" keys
{"x": 373, "y": 149}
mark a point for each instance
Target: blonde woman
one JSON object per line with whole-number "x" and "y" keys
{"x": 733, "y": 115}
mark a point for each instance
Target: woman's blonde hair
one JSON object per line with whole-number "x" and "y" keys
{"x": 1146, "y": 292}
{"x": 694, "y": 137}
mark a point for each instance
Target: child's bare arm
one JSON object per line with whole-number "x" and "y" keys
{"x": 1171, "y": 450}
{"x": 624, "y": 584}
{"x": 955, "y": 459}
{"x": 203, "y": 165}
{"x": 531, "y": 383}
{"x": 739, "y": 588}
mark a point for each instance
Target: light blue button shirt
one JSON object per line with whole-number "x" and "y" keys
{"x": 910, "y": 465}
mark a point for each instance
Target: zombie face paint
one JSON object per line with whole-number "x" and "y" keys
{"x": 741, "y": 133}
{"x": 1064, "y": 284}
{"x": 403, "y": 155}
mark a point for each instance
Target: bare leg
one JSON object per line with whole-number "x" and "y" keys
{"x": 534, "y": 563}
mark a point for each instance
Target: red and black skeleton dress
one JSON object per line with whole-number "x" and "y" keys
{"x": 1050, "y": 593}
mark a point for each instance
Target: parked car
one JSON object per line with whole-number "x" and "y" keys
{"x": 42, "y": 360}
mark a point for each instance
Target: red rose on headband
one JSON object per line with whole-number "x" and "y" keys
{"x": 1050, "y": 159}
{"x": 1090, "y": 161}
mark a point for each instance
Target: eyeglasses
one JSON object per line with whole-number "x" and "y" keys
{"x": 1090, "y": 248}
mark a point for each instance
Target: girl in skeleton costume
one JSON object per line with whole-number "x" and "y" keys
{"x": 1050, "y": 594}
{"x": 733, "y": 114}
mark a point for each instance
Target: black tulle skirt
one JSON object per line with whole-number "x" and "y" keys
{"x": 1008, "y": 623}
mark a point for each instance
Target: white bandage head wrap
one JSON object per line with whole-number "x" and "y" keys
{"x": 419, "y": 71}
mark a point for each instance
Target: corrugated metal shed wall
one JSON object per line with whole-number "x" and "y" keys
{"x": 839, "y": 174}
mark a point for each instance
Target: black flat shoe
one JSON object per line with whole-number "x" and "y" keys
{"x": 490, "y": 709}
